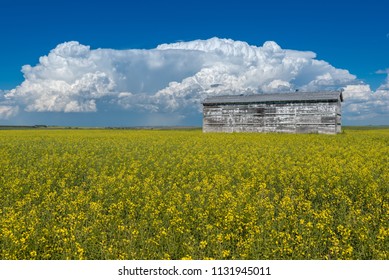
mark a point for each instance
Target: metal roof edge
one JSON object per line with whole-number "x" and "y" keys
{"x": 275, "y": 97}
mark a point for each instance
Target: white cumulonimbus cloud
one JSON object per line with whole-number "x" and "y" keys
{"x": 174, "y": 78}
{"x": 362, "y": 103}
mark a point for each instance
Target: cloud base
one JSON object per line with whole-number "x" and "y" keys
{"x": 172, "y": 79}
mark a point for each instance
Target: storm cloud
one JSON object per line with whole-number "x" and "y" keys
{"x": 174, "y": 78}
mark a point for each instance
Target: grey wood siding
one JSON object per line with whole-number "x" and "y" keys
{"x": 321, "y": 116}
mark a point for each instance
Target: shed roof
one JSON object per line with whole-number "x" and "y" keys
{"x": 276, "y": 97}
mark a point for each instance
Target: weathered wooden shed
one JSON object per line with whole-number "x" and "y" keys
{"x": 299, "y": 112}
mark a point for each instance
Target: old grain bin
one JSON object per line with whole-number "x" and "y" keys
{"x": 299, "y": 112}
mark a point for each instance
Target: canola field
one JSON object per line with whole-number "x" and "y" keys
{"x": 137, "y": 194}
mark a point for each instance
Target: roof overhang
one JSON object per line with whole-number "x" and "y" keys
{"x": 275, "y": 97}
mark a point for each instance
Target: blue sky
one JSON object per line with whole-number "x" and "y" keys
{"x": 348, "y": 36}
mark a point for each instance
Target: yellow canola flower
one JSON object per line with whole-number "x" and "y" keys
{"x": 182, "y": 194}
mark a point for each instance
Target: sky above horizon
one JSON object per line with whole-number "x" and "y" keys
{"x": 125, "y": 63}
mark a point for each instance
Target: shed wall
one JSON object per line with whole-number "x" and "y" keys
{"x": 288, "y": 117}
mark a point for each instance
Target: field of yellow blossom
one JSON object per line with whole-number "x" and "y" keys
{"x": 182, "y": 194}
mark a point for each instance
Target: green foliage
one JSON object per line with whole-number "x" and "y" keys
{"x": 111, "y": 194}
